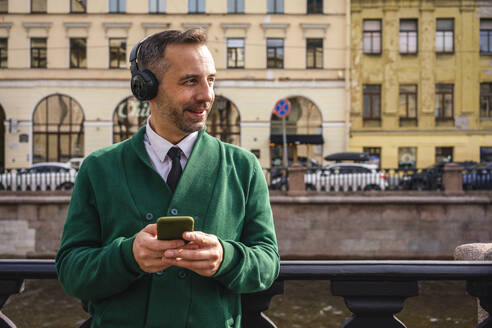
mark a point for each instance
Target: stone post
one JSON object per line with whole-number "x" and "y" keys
{"x": 452, "y": 179}
{"x": 475, "y": 252}
{"x": 297, "y": 187}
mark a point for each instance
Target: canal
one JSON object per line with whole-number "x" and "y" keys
{"x": 441, "y": 304}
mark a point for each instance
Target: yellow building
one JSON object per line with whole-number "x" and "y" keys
{"x": 64, "y": 77}
{"x": 421, "y": 81}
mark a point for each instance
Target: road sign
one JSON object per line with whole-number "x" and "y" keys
{"x": 282, "y": 108}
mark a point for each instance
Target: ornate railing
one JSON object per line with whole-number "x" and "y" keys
{"x": 373, "y": 290}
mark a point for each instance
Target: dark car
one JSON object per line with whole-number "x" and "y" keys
{"x": 479, "y": 177}
{"x": 430, "y": 178}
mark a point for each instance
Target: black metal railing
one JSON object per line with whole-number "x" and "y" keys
{"x": 374, "y": 291}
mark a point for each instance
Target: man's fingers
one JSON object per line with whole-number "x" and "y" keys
{"x": 151, "y": 228}
{"x": 200, "y": 238}
{"x": 192, "y": 254}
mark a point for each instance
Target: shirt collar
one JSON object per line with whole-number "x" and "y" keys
{"x": 161, "y": 146}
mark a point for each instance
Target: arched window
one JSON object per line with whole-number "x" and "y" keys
{"x": 223, "y": 121}
{"x": 58, "y": 129}
{"x": 2, "y": 139}
{"x": 304, "y": 134}
{"x": 128, "y": 117}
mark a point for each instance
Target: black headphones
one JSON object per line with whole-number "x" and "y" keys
{"x": 144, "y": 83}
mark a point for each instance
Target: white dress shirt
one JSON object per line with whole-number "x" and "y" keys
{"x": 157, "y": 148}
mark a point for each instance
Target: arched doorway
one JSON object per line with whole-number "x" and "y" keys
{"x": 58, "y": 129}
{"x": 304, "y": 135}
{"x": 129, "y": 115}
{"x": 2, "y": 139}
{"x": 223, "y": 121}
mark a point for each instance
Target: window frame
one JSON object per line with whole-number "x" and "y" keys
{"x": 371, "y": 95}
{"x": 158, "y": 9}
{"x": 442, "y": 94}
{"x": 236, "y": 50}
{"x": 371, "y": 34}
{"x": 408, "y": 95}
{"x": 4, "y": 53}
{"x": 38, "y": 50}
{"x": 441, "y": 153}
{"x": 278, "y": 7}
{"x": 408, "y": 37}
{"x": 315, "y": 66}
{"x": 488, "y": 96}
{"x": 78, "y": 12}
{"x": 39, "y": 11}
{"x": 276, "y": 58}
{"x": 120, "y": 7}
{"x": 314, "y": 6}
{"x": 236, "y": 5}
{"x": 119, "y": 66}
{"x": 443, "y": 50}
{"x": 79, "y": 54}
{"x": 197, "y": 5}
{"x": 7, "y": 7}
{"x": 487, "y": 52}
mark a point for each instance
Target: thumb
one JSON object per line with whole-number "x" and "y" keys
{"x": 151, "y": 229}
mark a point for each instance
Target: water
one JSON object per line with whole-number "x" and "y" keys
{"x": 304, "y": 304}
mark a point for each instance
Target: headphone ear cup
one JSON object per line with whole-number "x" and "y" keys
{"x": 144, "y": 85}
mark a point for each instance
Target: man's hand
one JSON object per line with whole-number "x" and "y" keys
{"x": 148, "y": 250}
{"x": 203, "y": 254}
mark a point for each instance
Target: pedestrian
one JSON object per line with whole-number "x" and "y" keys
{"x": 109, "y": 255}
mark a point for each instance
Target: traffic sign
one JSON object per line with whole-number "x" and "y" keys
{"x": 282, "y": 108}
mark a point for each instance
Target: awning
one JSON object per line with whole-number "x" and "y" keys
{"x": 307, "y": 139}
{"x": 350, "y": 156}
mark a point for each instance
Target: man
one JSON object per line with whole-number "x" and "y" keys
{"x": 109, "y": 255}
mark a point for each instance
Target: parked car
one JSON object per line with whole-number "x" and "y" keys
{"x": 479, "y": 177}
{"x": 40, "y": 176}
{"x": 430, "y": 178}
{"x": 346, "y": 177}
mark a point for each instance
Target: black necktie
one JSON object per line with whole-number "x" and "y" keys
{"x": 172, "y": 179}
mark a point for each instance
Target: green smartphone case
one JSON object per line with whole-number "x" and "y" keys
{"x": 172, "y": 227}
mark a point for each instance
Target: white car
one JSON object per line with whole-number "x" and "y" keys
{"x": 346, "y": 177}
{"x": 40, "y": 176}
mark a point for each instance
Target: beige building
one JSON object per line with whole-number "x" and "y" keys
{"x": 421, "y": 81}
{"x": 64, "y": 77}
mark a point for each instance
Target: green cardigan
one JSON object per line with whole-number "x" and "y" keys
{"x": 117, "y": 193}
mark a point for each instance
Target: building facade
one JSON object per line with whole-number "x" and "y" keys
{"x": 64, "y": 77}
{"x": 421, "y": 81}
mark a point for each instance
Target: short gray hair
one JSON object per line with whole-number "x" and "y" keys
{"x": 152, "y": 51}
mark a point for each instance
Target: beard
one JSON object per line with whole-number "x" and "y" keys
{"x": 178, "y": 117}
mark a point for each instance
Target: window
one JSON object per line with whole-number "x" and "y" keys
{"x": 235, "y": 6}
{"x": 374, "y": 155}
{"x": 58, "y": 129}
{"x": 371, "y": 43}
{"x": 275, "y": 53}
{"x": 408, "y": 36}
{"x": 3, "y": 52}
{"x": 445, "y": 35}
{"x": 235, "y": 53}
{"x": 157, "y": 6}
{"x": 485, "y": 154}
{"x": 314, "y": 53}
{"x": 78, "y": 6}
{"x": 4, "y": 6}
{"x": 444, "y": 102}
{"x": 196, "y": 6}
{"x": 486, "y": 36}
{"x": 39, "y": 53}
{"x": 407, "y": 157}
{"x": 78, "y": 53}
{"x": 129, "y": 115}
{"x": 444, "y": 154}
{"x": 275, "y": 6}
{"x": 486, "y": 100}
{"x": 117, "y": 6}
{"x": 372, "y": 102}
{"x": 314, "y": 6}
{"x": 408, "y": 102}
{"x": 38, "y": 6}
{"x": 117, "y": 53}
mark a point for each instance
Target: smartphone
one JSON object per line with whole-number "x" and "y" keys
{"x": 172, "y": 227}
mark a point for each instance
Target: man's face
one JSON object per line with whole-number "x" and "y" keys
{"x": 186, "y": 93}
